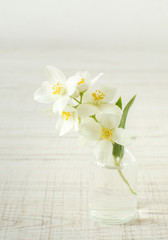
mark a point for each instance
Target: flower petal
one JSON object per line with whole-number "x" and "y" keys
{"x": 72, "y": 84}
{"x": 69, "y": 108}
{"x": 90, "y": 129}
{"x": 86, "y": 110}
{"x": 74, "y": 116}
{"x": 44, "y": 95}
{"x": 63, "y": 126}
{"x": 87, "y": 96}
{"x": 76, "y": 123}
{"x": 55, "y": 74}
{"x": 109, "y": 92}
{"x": 121, "y": 136}
{"x": 60, "y": 104}
{"x": 103, "y": 151}
{"x": 75, "y": 94}
{"x": 110, "y": 121}
{"x": 110, "y": 108}
{"x": 83, "y": 84}
{"x": 84, "y": 74}
{"x": 83, "y": 87}
{"x": 94, "y": 80}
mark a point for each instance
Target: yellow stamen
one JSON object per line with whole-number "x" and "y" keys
{"x": 65, "y": 115}
{"x": 82, "y": 81}
{"x": 98, "y": 95}
{"x": 57, "y": 88}
{"x": 107, "y": 133}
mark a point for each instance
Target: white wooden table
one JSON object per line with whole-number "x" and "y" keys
{"x": 44, "y": 179}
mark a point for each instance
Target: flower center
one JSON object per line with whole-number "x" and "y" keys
{"x": 107, "y": 133}
{"x": 82, "y": 81}
{"x": 65, "y": 115}
{"x": 57, "y": 88}
{"x": 98, "y": 95}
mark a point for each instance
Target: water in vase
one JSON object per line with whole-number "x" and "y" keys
{"x": 111, "y": 200}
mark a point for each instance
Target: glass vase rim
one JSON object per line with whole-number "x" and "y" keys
{"x": 102, "y": 165}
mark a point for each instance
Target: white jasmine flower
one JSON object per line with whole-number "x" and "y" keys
{"x": 86, "y": 81}
{"x": 103, "y": 134}
{"x": 67, "y": 121}
{"x": 56, "y": 89}
{"x": 97, "y": 100}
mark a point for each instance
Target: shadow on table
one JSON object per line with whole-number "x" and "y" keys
{"x": 145, "y": 217}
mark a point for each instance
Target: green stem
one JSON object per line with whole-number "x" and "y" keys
{"x": 81, "y": 95}
{"x": 76, "y": 100}
{"x": 94, "y": 117}
{"x": 122, "y": 176}
{"x": 119, "y": 161}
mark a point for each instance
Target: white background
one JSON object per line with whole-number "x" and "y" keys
{"x": 121, "y": 25}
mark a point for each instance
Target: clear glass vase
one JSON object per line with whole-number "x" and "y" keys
{"x": 112, "y": 190}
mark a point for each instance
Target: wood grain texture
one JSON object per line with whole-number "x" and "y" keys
{"x": 44, "y": 179}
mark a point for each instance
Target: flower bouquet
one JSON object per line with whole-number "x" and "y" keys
{"x": 84, "y": 106}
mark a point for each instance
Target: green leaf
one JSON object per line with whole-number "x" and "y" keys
{"x": 118, "y": 150}
{"x": 125, "y": 112}
{"x": 119, "y": 103}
